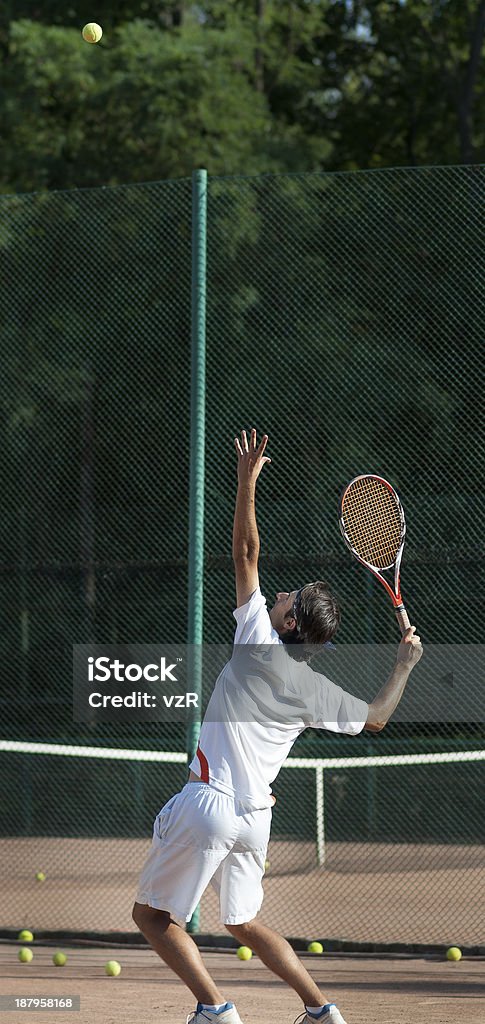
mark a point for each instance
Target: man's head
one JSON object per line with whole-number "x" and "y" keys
{"x": 309, "y": 616}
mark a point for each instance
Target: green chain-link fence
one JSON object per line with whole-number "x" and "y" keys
{"x": 345, "y": 318}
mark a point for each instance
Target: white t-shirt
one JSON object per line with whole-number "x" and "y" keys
{"x": 262, "y": 700}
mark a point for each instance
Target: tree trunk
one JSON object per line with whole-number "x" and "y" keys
{"x": 467, "y": 93}
{"x": 411, "y": 133}
{"x": 258, "y": 53}
{"x": 178, "y": 14}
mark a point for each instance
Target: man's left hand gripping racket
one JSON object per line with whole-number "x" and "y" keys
{"x": 373, "y": 527}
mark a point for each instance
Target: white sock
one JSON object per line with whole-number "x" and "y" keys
{"x": 213, "y": 1008}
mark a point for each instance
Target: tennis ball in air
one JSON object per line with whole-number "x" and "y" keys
{"x": 244, "y": 953}
{"x": 40, "y": 877}
{"x": 315, "y": 947}
{"x": 112, "y": 968}
{"x": 453, "y": 953}
{"x": 25, "y": 936}
{"x": 25, "y": 955}
{"x": 266, "y": 865}
{"x": 59, "y": 959}
{"x": 92, "y": 32}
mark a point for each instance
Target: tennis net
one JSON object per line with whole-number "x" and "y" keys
{"x": 344, "y": 828}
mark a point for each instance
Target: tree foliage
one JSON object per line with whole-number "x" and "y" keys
{"x": 240, "y": 87}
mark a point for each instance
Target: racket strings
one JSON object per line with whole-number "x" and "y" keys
{"x": 371, "y": 518}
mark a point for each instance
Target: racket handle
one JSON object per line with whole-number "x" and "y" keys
{"x": 402, "y": 618}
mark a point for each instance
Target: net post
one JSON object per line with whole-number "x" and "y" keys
{"x": 197, "y": 463}
{"x": 320, "y": 816}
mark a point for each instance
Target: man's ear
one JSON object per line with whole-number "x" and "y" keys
{"x": 290, "y": 623}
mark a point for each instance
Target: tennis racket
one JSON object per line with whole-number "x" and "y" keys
{"x": 373, "y": 527}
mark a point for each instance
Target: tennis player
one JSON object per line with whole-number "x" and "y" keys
{"x": 216, "y": 829}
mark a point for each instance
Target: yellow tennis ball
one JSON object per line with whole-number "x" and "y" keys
{"x": 59, "y": 959}
{"x": 25, "y": 936}
{"x": 25, "y": 955}
{"x": 266, "y": 865}
{"x": 453, "y": 953}
{"x": 92, "y": 32}
{"x": 315, "y": 947}
{"x": 40, "y": 877}
{"x": 112, "y": 968}
{"x": 244, "y": 953}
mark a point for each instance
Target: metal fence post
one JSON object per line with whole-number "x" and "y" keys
{"x": 320, "y": 802}
{"x": 197, "y": 462}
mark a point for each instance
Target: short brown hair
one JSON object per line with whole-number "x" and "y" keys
{"x": 317, "y": 615}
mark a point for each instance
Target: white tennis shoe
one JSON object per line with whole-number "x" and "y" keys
{"x": 331, "y": 1016}
{"x": 227, "y": 1016}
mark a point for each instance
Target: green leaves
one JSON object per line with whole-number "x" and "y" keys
{"x": 239, "y": 88}
{"x": 147, "y": 105}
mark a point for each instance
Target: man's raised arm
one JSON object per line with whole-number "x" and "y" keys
{"x": 408, "y": 654}
{"x": 245, "y": 537}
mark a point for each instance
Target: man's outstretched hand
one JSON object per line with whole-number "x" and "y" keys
{"x": 387, "y": 700}
{"x": 410, "y": 649}
{"x": 245, "y": 537}
{"x": 250, "y": 456}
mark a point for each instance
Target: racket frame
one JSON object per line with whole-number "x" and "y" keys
{"x": 394, "y": 594}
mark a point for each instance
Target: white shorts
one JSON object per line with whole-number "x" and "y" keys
{"x": 202, "y": 835}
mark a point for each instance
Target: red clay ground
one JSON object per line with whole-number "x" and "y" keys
{"x": 379, "y": 893}
{"x": 369, "y": 991}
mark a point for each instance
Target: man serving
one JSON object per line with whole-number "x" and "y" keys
{"x": 216, "y": 830}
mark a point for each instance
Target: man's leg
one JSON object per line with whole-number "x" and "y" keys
{"x": 178, "y": 950}
{"x": 281, "y": 959}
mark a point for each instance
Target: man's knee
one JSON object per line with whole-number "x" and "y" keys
{"x": 139, "y": 914}
{"x": 240, "y": 931}
{"x": 145, "y": 917}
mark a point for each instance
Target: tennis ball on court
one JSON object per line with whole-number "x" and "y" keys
{"x": 59, "y": 959}
{"x": 25, "y": 955}
{"x": 92, "y": 32}
{"x": 40, "y": 877}
{"x": 453, "y": 953}
{"x": 25, "y": 936}
{"x": 244, "y": 953}
{"x": 112, "y": 968}
{"x": 315, "y": 947}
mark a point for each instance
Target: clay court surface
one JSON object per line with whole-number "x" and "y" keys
{"x": 373, "y": 893}
{"x": 388, "y": 893}
{"x": 369, "y": 991}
